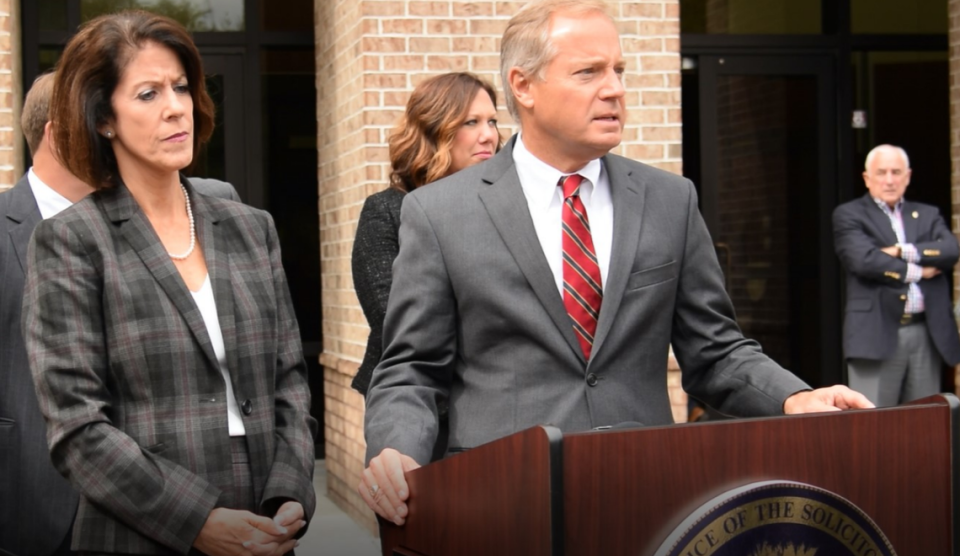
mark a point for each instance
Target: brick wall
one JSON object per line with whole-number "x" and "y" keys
{"x": 11, "y": 95}
{"x": 370, "y": 54}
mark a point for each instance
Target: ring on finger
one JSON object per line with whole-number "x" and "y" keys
{"x": 374, "y": 489}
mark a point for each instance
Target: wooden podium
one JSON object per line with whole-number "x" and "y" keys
{"x": 622, "y": 492}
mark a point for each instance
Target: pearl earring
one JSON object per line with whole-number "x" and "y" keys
{"x": 108, "y": 134}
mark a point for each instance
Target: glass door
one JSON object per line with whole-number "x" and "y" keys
{"x": 224, "y": 74}
{"x": 768, "y": 167}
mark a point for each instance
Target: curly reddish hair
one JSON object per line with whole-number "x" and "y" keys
{"x": 421, "y": 143}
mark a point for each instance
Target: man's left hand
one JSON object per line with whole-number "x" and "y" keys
{"x": 834, "y": 398}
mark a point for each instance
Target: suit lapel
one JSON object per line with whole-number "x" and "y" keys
{"x": 218, "y": 266}
{"x": 506, "y": 205}
{"x": 911, "y": 225}
{"x": 880, "y": 221}
{"x": 122, "y": 209}
{"x": 24, "y": 215}
{"x": 627, "y": 194}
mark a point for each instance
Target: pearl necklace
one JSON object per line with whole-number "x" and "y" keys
{"x": 193, "y": 230}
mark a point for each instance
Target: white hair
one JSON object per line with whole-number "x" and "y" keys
{"x": 873, "y": 154}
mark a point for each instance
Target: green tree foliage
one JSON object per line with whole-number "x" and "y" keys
{"x": 193, "y": 17}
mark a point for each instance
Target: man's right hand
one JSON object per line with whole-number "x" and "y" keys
{"x": 384, "y": 485}
{"x": 929, "y": 272}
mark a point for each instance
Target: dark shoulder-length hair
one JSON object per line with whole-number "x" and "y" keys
{"x": 87, "y": 74}
{"x": 420, "y": 145}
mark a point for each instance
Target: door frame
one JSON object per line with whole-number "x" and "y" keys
{"x": 229, "y": 63}
{"x": 710, "y": 68}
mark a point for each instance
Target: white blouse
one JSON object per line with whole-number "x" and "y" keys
{"x": 208, "y": 309}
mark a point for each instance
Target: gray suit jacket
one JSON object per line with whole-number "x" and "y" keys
{"x": 38, "y": 504}
{"x": 475, "y": 316}
{"x": 128, "y": 381}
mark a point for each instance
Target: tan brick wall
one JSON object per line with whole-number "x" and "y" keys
{"x": 370, "y": 54}
{"x": 11, "y": 96}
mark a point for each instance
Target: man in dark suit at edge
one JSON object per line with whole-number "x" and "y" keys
{"x": 898, "y": 325}
{"x": 37, "y": 505}
{"x": 546, "y": 284}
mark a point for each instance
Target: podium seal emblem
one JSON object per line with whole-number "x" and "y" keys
{"x": 777, "y": 518}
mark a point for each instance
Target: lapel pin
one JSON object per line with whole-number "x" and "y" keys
{"x": 916, "y": 214}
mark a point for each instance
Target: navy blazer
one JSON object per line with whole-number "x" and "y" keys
{"x": 876, "y": 291}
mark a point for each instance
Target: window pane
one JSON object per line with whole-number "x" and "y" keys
{"x": 48, "y": 58}
{"x": 897, "y": 16}
{"x": 767, "y": 148}
{"x": 289, "y": 15}
{"x": 53, "y": 15}
{"x": 750, "y": 17}
{"x": 195, "y": 15}
{"x": 211, "y": 161}
{"x": 288, "y": 87}
{"x": 915, "y": 117}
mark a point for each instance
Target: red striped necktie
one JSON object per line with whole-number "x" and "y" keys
{"x": 582, "y": 289}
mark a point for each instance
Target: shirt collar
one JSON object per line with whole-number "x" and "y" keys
{"x": 535, "y": 173}
{"x": 886, "y": 208}
{"x": 48, "y": 200}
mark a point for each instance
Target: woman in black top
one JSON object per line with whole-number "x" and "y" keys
{"x": 449, "y": 124}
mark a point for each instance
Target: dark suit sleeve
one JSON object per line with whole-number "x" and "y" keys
{"x": 64, "y": 329}
{"x": 941, "y": 250}
{"x": 420, "y": 345}
{"x": 859, "y": 251}
{"x": 215, "y": 188}
{"x": 720, "y": 366}
{"x": 291, "y": 477}
{"x": 375, "y": 247}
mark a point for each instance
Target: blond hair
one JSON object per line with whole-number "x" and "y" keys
{"x": 526, "y": 42}
{"x": 36, "y": 111}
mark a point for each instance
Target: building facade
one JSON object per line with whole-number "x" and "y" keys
{"x": 780, "y": 100}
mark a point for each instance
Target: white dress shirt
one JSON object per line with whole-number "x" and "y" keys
{"x": 539, "y": 182}
{"x": 49, "y": 201}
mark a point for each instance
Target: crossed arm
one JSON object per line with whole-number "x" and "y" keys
{"x": 864, "y": 256}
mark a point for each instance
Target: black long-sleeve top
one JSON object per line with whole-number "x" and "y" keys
{"x": 375, "y": 247}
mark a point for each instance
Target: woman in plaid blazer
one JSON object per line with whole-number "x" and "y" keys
{"x": 158, "y": 321}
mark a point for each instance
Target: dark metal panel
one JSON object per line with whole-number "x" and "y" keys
{"x": 754, "y": 42}
{"x": 253, "y": 112}
{"x": 899, "y": 42}
{"x": 708, "y": 141}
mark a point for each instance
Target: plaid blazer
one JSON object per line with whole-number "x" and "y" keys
{"x": 127, "y": 377}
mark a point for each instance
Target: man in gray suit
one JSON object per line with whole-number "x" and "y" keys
{"x": 37, "y": 505}
{"x": 523, "y": 304}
